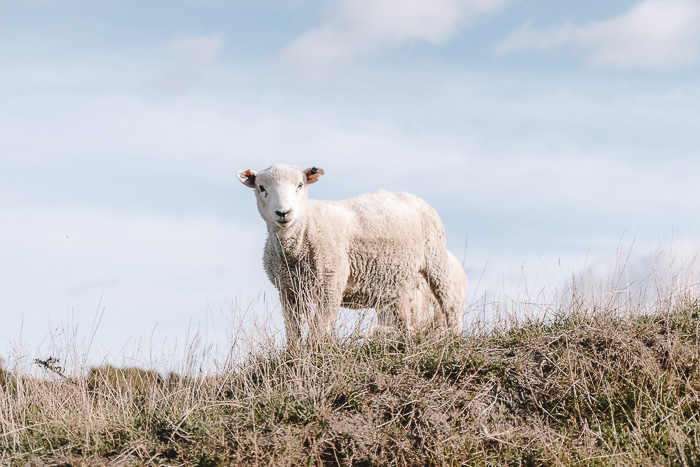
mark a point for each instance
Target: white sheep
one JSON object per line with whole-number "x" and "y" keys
{"x": 382, "y": 250}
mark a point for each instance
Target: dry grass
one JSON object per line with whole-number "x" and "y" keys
{"x": 587, "y": 386}
{"x": 598, "y": 380}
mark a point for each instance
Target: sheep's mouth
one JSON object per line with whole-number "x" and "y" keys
{"x": 283, "y": 223}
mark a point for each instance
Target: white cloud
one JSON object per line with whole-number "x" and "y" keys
{"x": 359, "y": 28}
{"x": 193, "y": 55}
{"x": 654, "y": 34}
{"x": 196, "y": 50}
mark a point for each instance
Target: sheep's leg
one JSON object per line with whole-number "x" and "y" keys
{"x": 325, "y": 322}
{"x": 386, "y": 318}
{"x": 395, "y": 314}
{"x": 401, "y": 311}
{"x": 327, "y": 312}
{"x": 437, "y": 272}
{"x": 329, "y": 292}
{"x": 438, "y": 277}
{"x": 292, "y": 315}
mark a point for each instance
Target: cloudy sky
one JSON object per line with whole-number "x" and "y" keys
{"x": 547, "y": 134}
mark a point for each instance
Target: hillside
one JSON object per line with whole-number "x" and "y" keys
{"x": 587, "y": 386}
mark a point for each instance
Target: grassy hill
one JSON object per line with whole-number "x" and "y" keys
{"x": 585, "y": 386}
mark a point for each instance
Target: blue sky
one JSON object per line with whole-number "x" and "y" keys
{"x": 545, "y": 133}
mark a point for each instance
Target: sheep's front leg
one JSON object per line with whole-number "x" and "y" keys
{"x": 323, "y": 321}
{"x": 330, "y": 296}
{"x": 292, "y": 312}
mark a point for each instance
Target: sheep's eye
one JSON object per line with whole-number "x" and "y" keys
{"x": 262, "y": 189}
{"x": 301, "y": 185}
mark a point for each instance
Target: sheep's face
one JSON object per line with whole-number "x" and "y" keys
{"x": 281, "y": 192}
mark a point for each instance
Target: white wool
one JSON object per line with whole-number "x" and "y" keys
{"x": 381, "y": 250}
{"x": 425, "y": 311}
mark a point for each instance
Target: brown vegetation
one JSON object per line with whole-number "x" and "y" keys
{"x": 584, "y": 386}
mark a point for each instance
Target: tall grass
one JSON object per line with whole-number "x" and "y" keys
{"x": 584, "y": 376}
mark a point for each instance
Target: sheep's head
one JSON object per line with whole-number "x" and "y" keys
{"x": 281, "y": 192}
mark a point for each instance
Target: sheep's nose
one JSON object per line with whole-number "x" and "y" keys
{"x": 283, "y": 214}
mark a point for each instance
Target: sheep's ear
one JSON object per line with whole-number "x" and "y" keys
{"x": 313, "y": 174}
{"x": 247, "y": 177}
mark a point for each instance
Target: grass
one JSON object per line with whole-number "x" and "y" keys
{"x": 584, "y": 387}
{"x": 596, "y": 380}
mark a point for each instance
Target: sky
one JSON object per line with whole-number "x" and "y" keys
{"x": 552, "y": 137}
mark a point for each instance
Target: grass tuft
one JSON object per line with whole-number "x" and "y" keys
{"x": 586, "y": 386}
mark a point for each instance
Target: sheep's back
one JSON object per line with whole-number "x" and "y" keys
{"x": 385, "y": 234}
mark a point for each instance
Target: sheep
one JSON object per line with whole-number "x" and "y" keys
{"x": 381, "y": 250}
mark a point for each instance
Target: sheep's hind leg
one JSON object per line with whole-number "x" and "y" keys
{"x": 395, "y": 315}
{"x": 441, "y": 287}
